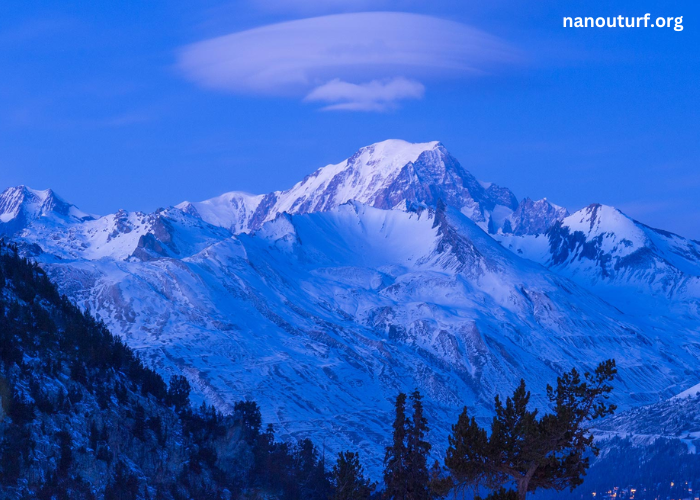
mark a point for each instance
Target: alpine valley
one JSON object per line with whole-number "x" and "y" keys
{"x": 392, "y": 270}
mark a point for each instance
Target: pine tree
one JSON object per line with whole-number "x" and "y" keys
{"x": 246, "y": 414}
{"x": 349, "y": 481}
{"x": 439, "y": 484}
{"x": 179, "y": 392}
{"x": 468, "y": 455}
{"x": 549, "y": 452}
{"x": 311, "y": 477}
{"x": 395, "y": 473}
{"x": 417, "y": 450}
{"x": 124, "y": 484}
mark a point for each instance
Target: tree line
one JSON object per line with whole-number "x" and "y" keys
{"x": 82, "y": 417}
{"x": 523, "y": 452}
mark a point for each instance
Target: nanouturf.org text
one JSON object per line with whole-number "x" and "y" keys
{"x": 624, "y": 22}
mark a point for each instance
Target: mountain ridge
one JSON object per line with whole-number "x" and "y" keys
{"x": 383, "y": 175}
{"x": 21, "y": 205}
{"x": 323, "y": 315}
{"x": 432, "y": 280}
{"x": 618, "y": 257}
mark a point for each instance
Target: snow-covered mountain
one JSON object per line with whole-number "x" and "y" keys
{"x": 234, "y": 211}
{"x": 677, "y": 417}
{"x": 124, "y": 235}
{"x": 323, "y": 317}
{"x": 533, "y": 217}
{"x": 632, "y": 265}
{"x": 392, "y": 270}
{"x": 19, "y": 206}
{"x": 383, "y": 175}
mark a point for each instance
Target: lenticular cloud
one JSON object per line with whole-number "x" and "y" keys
{"x": 372, "y": 52}
{"x": 373, "y": 96}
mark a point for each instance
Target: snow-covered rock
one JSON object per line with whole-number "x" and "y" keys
{"x": 323, "y": 317}
{"x": 233, "y": 210}
{"x": 631, "y": 265}
{"x": 677, "y": 417}
{"x": 383, "y": 175}
{"x": 20, "y": 205}
{"x": 533, "y": 217}
{"x": 391, "y": 270}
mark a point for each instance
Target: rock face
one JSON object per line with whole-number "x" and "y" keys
{"x": 534, "y": 217}
{"x": 635, "y": 267}
{"x": 382, "y": 175}
{"x": 82, "y": 417}
{"x": 20, "y": 205}
{"x": 392, "y": 270}
{"x": 677, "y": 417}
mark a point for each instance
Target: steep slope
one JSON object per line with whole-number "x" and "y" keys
{"x": 677, "y": 417}
{"x": 379, "y": 274}
{"x": 382, "y": 175}
{"x": 233, "y": 211}
{"x": 533, "y": 217}
{"x": 627, "y": 468}
{"x": 323, "y": 317}
{"x": 20, "y": 206}
{"x": 81, "y": 417}
{"x": 124, "y": 235}
{"x": 638, "y": 268}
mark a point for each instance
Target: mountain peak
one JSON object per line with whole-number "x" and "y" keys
{"x": 396, "y": 152}
{"x": 360, "y": 177}
{"x": 21, "y": 205}
{"x": 388, "y": 174}
{"x": 598, "y": 219}
{"x": 534, "y": 217}
{"x": 230, "y": 210}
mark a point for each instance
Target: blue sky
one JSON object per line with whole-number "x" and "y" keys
{"x": 138, "y": 105}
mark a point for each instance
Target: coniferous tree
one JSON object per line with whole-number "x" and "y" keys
{"x": 439, "y": 484}
{"x": 349, "y": 481}
{"x": 93, "y": 436}
{"x": 548, "y": 452}
{"x": 36, "y": 398}
{"x": 124, "y": 484}
{"x": 311, "y": 477}
{"x": 246, "y": 414}
{"x": 10, "y": 459}
{"x": 468, "y": 455}
{"x": 395, "y": 473}
{"x": 500, "y": 494}
{"x": 417, "y": 449}
{"x": 179, "y": 392}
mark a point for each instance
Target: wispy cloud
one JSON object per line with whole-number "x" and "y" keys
{"x": 373, "y": 96}
{"x": 344, "y": 59}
